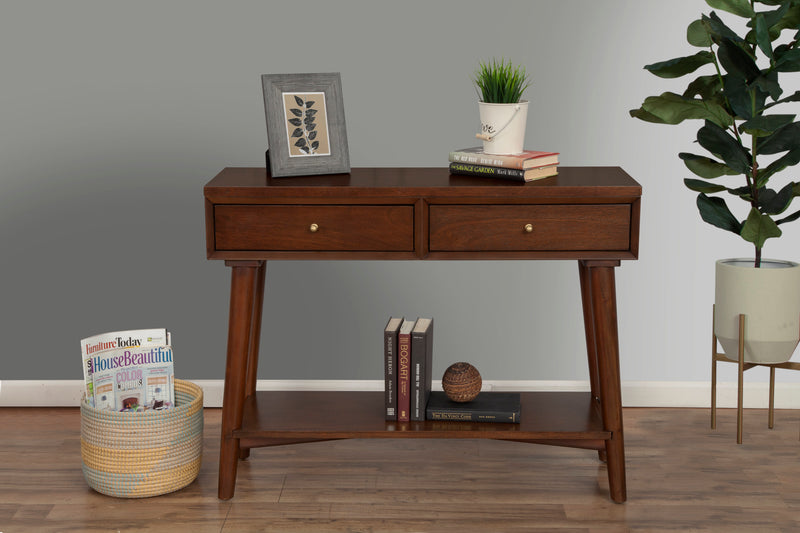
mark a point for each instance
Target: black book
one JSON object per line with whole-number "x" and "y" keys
{"x": 486, "y": 407}
{"x": 421, "y": 362}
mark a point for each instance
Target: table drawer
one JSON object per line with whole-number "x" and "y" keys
{"x": 459, "y": 228}
{"x": 314, "y": 228}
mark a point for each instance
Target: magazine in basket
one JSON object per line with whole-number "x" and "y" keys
{"x": 129, "y": 370}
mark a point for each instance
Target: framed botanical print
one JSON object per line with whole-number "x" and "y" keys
{"x": 305, "y": 124}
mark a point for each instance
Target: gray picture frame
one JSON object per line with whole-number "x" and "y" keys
{"x": 294, "y": 101}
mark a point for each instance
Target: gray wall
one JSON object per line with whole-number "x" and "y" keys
{"x": 113, "y": 115}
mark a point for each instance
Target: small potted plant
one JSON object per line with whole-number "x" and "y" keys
{"x": 503, "y": 113}
{"x": 743, "y": 136}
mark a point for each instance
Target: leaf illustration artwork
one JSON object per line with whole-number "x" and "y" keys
{"x": 307, "y": 124}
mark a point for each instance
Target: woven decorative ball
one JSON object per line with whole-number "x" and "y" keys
{"x": 461, "y": 382}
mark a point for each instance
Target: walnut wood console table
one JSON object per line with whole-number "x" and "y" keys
{"x": 590, "y": 215}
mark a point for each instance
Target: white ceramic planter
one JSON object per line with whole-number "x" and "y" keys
{"x": 505, "y": 124}
{"x": 769, "y": 297}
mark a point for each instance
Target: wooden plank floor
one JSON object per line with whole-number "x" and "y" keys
{"x": 682, "y": 476}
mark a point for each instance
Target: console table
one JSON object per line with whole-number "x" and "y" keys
{"x": 586, "y": 214}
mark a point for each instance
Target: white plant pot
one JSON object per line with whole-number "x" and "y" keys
{"x": 505, "y": 124}
{"x": 769, "y": 297}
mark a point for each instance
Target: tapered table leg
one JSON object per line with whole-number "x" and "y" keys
{"x": 606, "y": 343}
{"x": 588, "y": 323}
{"x": 243, "y": 284}
{"x": 255, "y": 341}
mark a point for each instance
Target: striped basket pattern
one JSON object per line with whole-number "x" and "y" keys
{"x": 146, "y": 453}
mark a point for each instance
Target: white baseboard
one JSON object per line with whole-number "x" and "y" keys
{"x": 67, "y": 393}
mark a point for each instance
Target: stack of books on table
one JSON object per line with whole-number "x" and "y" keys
{"x": 529, "y": 165}
{"x": 408, "y": 363}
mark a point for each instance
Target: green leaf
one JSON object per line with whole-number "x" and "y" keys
{"x": 790, "y": 218}
{"x": 715, "y": 211}
{"x": 680, "y": 66}
{"x": 737, "y": 7}
{"x": 775, "y": 203}
{"x": 641, "y": 114}
{"x": 697, "y": 34}
{"x": 795, "y": 97}
{"x": 770, "y": 19}
{"x": 673, "y": 109}
{"x": 758, "y": 228}
{"x": 736, "y": 61}
{"x": 763, "y": 38}
{"x": 723, "y": 145}
{"x": 703, "y": 186}
{"x": 787, "y": 160}
{"x": 786, "y": 138}
{"x": 705, "y": 167}
{"x": 791, "y": 20}
{"x": 768, "y": 84}
{"x": 788, "y": 61}
{"x": 742, "y": 192}
{"x": 717, "y": 29}
{"x": 764, "y": 125}
{"x": 738, "y": 95}
{"x": 706, "y": 87}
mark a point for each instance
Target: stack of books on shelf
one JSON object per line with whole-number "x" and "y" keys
{"x": 486, "y": 407}
{"x": 408, "y": 364}
{"x": 129, "y": 370}
{"x": 529, "y": 165}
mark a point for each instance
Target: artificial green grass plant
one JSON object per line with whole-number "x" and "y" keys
{"x": 500, "y": 82}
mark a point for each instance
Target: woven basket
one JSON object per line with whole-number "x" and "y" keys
{"x": 145, "y": 453}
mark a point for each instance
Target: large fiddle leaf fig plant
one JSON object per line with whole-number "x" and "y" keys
{"x": 738, "y": 98}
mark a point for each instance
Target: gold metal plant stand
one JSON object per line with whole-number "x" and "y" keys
{"x": 719, "y": 356}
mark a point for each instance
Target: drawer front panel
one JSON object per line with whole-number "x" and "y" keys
{"x": 314, "y": 228}
{"x": 459, "y": 228}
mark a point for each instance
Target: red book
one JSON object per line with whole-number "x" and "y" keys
{"x": 404, "y": 371}
{"x": 524, "y": 161}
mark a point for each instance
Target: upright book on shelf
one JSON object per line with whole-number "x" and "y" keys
{"x": 404, "y": 371}
{"x": 421, "y": 362}
{"x": 390, "y": 366}
{"x": 486, "y": 407}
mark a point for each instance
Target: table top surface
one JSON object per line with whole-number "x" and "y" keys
{"x": 600, "y": 182}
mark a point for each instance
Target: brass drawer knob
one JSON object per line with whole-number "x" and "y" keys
{"x": 528, "y": 228}
{"x": 313, "y": 228}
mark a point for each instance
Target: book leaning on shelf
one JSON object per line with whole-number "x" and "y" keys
{"x": 129, "y": 370}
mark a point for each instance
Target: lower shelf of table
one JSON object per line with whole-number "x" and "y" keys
{"x": 282, "y": 417}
